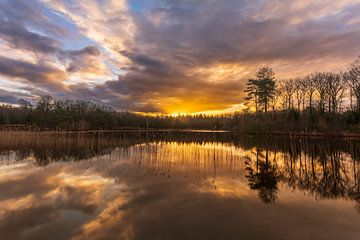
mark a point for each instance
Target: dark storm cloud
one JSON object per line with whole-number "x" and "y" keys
{"x": 32, "y": 13}
{"x": 91, "y": 50}
{"x": 110, "y": 94}
{"x": 19, "y": 37}
{"x": 81, "y": 59}
{"x": 13, "y": 97}
{"x": 8, "y": 99}
{"x": 35, "y": 73}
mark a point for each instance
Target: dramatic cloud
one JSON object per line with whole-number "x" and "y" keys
{"x": 19, "y": 37}
{"x": 170, "y": 56}
{"x": 34, "y": 73}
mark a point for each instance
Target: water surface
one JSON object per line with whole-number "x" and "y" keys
{"x": 159, "y": 185}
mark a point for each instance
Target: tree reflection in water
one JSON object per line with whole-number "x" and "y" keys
{"x": 325, "y": 168}
{"x": 264, "y": 178}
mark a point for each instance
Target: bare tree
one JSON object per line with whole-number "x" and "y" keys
{"x": 353, "y": 80}
{"x": 321, "y": 88}
{"x": 335, "y": 88}
{"x": 310, "y": 90}
{"x": 287, "y": 89}
{"x": 299, "y": 92}
{"x": 275, "y": 100}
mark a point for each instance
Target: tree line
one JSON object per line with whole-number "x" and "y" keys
{"x": 325, "y": 92}
{"x": 321, "y": 101}
{"x": 70, "y": 115}
{"x": 318, "y": 102}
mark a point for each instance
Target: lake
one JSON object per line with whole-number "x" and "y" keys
{"x": 178, "y": 185}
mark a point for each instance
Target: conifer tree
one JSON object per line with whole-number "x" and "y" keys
{"x": 261, "y": 91}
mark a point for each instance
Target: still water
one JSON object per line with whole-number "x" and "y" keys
{"x": 178, "y": 185}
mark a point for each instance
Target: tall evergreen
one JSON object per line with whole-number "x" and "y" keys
{"x": 261, "y": 91}
{"x": 252, "y": 93}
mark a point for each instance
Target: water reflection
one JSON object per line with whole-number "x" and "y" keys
{"x": 177, "y": 186}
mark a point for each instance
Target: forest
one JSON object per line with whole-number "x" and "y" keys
{"x": 323, "y": 102}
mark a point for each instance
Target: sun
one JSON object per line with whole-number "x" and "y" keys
{"x": 178, "y": 114}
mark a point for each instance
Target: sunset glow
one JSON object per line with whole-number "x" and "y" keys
{"x": 167, "y": 57}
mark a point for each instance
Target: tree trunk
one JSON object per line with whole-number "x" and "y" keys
{"x": 266, "y": 106}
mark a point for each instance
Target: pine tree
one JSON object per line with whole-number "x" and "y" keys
{"x": 261, "y": 91}
{"x": 266, "y": 87}
{"x": 251, "y": 93}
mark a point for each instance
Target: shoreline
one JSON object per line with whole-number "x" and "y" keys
{"x": 288, "y": 134}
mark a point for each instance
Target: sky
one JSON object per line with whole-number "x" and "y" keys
{"x": 167, "y": 56}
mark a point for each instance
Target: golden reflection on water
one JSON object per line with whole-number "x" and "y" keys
{"x": 126, "y": 192}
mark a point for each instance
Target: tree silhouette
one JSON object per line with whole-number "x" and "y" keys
{"x": 264, "y": 179}
{"x": 261, "y": 91}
